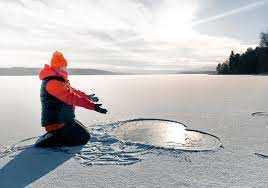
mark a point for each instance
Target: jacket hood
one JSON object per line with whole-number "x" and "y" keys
{"x": 48, "y": 71}
{"x": 58, "y": 60}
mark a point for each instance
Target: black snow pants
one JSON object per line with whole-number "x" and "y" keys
{"x": 72, "y": 134}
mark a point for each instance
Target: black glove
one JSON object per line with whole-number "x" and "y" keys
{"x": 99, "y": 109}
{"x": 93, "y": 98}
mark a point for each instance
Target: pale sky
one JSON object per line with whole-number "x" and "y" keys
{"x": 129, "y": 35}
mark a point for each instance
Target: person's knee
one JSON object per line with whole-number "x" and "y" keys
{"x": 84, "y": 137}
{"x": 79, "y": 135}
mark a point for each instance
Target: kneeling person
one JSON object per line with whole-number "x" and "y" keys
{"x": 58, "y": 100}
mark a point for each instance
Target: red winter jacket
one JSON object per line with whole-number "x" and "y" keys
{"x": 63, "y": 90}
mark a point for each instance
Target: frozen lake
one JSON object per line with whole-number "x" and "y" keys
{"x": 219, "y": 105}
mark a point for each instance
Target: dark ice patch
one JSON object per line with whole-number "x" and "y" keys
{"x": 260, "y": 114}
{"x": 261, "y": 155}
{"x": 165, "y": 134}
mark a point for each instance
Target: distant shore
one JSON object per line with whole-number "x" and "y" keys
{"x": 22, "y": 71}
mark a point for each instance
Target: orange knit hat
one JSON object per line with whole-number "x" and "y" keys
{"x": 58, "y": 60}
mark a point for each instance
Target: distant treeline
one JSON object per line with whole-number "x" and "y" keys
{"x": 253, "y": 61}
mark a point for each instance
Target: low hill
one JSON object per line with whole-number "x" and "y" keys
{"x": 22, "y": 71}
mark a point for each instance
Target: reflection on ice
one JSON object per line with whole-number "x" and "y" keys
{"x": 151, "y": 131}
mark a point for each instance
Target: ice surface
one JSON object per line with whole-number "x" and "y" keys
{"x": 220, "y": 105}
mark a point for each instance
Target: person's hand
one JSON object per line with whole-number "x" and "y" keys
{"x": 99, "y": 109}
{"x": 93, "y": 98}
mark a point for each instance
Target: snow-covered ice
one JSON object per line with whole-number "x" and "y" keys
{"x": 231, "y": 107}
